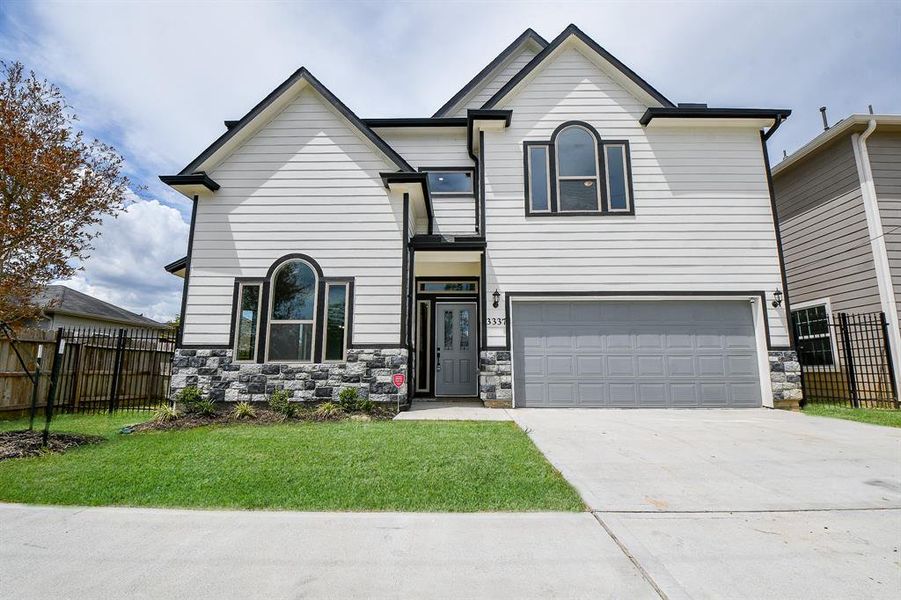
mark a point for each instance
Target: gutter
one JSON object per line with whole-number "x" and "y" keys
{"x": 877, "y": 244}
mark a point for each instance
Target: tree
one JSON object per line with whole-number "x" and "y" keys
{"x": 54, "y": 189}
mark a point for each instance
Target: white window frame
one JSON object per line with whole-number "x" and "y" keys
{"x": 597, "y": 175}
{"x": 623, "y": 147}
{"x": 328, "y": 286}
{"x": 547, "y": 184}
{"x": 827, "y": 304}
{"x": 241, "y": 286}
{"x": 312, "y": 321}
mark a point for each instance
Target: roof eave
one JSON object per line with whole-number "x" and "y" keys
{"x": 190, "y": 185}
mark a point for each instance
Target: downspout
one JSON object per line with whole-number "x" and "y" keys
{"x": 877, "y": 242}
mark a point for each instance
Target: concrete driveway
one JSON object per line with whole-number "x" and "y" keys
{"x": 737, "y": 503}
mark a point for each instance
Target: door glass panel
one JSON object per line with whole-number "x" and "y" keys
{"x": 448, "y": 330}
{"x": 464, "y": 329}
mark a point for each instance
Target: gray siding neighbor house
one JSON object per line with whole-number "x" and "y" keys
{"x": 65, "y": 307}
{"x": 558, "y": 234}
{"x": 839, "y": 204}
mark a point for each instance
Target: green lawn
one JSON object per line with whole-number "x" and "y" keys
{"x": 387, "y": 465}
{"x": 889, "y": 418}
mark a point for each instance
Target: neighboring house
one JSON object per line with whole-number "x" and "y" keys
{"x": 68, "y": 308}
{"x": 558, "y": 234}
{"x": 839, "y": 206}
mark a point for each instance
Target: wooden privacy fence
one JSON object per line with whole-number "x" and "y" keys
{"x": 15, "y": 384}
{"x": 99, "y": 370}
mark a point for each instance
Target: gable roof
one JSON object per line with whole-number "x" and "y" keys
{"x": 566, "y": 34}
{"x": 59, "y": 299}
{"x": 526, "y": 37}
{"x": 301, "y": 74}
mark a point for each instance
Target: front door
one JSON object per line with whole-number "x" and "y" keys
{"x": 456, "y": 352}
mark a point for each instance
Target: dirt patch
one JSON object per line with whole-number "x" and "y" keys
{"x": 19, "y": 444}
{"x": 263, "y": 417}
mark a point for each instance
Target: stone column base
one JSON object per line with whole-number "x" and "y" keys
{"x": 785, "y": 377}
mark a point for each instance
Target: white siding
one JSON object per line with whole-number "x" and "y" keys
{"x": 437, "y": 147}
{"x": 307, "y": 182}
{"x": 703, "y": 219}
{"x": 490, "y": 86}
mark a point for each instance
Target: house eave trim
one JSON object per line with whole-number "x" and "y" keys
{"x": 774, "y": 114}
{"x": 192, "y": 179}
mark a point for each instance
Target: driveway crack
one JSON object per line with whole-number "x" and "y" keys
{"x": 647, "y": 576}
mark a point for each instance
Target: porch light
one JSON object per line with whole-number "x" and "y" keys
{"x": 497, "y": 298}
{"x": 777, "y": 298}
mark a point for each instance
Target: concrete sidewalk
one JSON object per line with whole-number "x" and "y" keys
{"x": 100, "y": 553}
{"x": 452, "y": 411}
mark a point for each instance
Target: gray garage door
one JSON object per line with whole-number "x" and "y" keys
{"x": 635, "y": 354}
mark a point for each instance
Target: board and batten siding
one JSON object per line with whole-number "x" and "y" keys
{"x": 825, "y": 239}
{"x": 499, "y": 79}
{"x": 885, "y": 161}
{"x": 425, "y": 147}
{"x": 703, "y": 219}
{"x": 306, "y": 182}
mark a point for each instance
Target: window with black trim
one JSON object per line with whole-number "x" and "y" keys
{"x": 247, "y": 322}
{"x": 451, "y": 181}
{"x": 336, "y": 295}
{"x": 292, "y": 312}
{"x": 814, "y": 335}
{"x": 577, "y": 172}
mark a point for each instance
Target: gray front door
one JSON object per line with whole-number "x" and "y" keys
{"x": 646, "y": 354}
{"x": 456, "y": 349}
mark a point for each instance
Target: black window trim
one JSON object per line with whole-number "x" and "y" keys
{"x": 348, "y": 284}
{"x": 602, "y": 175}
{"x": 826, "y": 305}
{"x": 472, "y": 180}
{"x": 236, "y": 311}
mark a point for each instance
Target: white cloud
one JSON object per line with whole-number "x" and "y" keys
{"x": 126, "y": 266}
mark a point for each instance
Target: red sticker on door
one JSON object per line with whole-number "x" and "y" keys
{"x": 398, "y": 379}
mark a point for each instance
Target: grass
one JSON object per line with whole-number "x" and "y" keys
{"x": 875, "y": 416}
{"x": 104, "y": 425}
{"x": 345, "y": 466}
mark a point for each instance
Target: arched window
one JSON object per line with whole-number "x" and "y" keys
{"x": 292, "y": 312}
{"x": 577, "y": 170}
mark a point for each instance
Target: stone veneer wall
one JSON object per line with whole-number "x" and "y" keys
{"x": 369, "y": 370}
{"x": 496, "y": 389}
{"x": 785, "y": 376}
{"x": 495, "y": 379}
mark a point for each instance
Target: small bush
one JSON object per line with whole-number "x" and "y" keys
{"x": 165, "y": 414}
{"x": 243, "y": 410}
{"x": 365, "y": 405}
{"x": 191, "y": 398}
{"x": 280, "y": 402}
{"x": 328, "y": 411}
{"x": 349, "y": 399}
{"x": 205, "y": 408}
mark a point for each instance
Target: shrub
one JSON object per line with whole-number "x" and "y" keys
{"x": 243, "y": 410}
{"x": 280, "y": 402}
{"x": 189, "y": 397}
{"x": 348, "y": 399}
{"x": 165, "y": 414}
{"x": 205, "y": 408}
{"x": 365, "y": 405}
{"x": 328, "y": 410}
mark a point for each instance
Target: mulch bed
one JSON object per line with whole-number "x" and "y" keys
{"x": 263, "y": 417}
{"x": 19, "y": 444}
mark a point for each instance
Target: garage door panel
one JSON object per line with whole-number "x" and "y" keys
{"x": 635, "y": 354}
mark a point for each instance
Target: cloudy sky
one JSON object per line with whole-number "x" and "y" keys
{"x": 156, "y": 79}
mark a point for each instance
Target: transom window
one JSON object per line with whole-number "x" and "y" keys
{"x": 577, "y": 173}
{"x": 292, "y": 312}
{"x": 814, "y": 335}
{"x": 448, "y": 287}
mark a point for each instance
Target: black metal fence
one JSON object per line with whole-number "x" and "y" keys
{"x": 108, "y": 370}
{"x": 845, "y": 359}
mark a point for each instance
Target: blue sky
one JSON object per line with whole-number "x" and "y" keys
{"x": 156, "y": 79}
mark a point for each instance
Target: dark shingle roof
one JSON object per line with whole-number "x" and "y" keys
{"x": 63, "y": 300}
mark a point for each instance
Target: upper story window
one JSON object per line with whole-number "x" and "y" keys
{"x": 577, "y": 172}
{"x": 450, "y": 181}
{"x": 292, "y": 312}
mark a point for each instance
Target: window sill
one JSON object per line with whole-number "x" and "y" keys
{"x": 583, "y": 213}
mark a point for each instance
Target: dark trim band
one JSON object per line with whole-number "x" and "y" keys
{"x": 199, "y": 178}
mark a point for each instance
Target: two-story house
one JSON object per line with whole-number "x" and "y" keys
{"x": 559, "y": 233}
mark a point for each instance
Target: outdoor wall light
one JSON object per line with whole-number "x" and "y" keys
{"x": 497, "y": 298}
{"x": 777, "y": 298}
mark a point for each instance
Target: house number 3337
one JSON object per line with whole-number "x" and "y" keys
{"x": 496, "y": 320}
